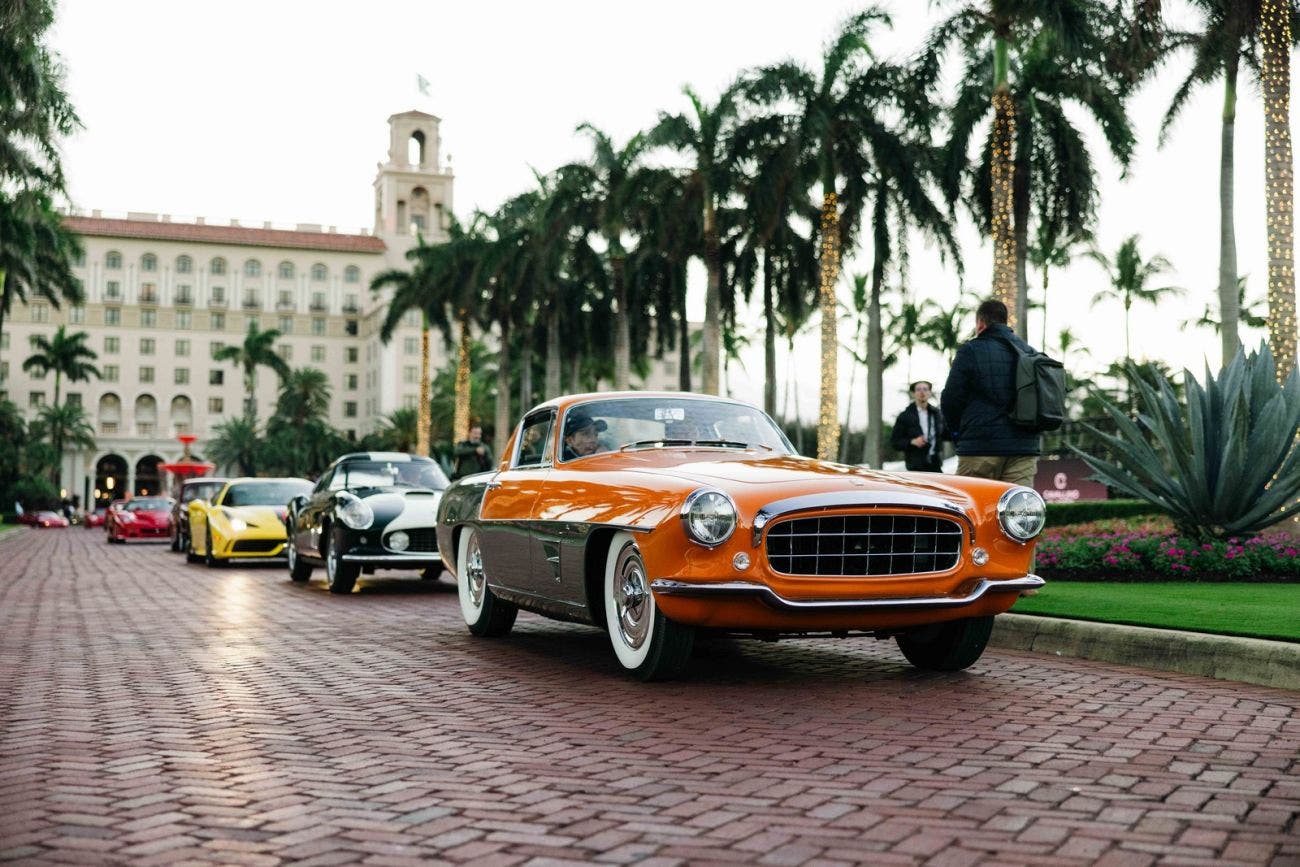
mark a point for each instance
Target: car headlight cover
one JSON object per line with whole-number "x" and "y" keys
{"x": 1022, "y": 514}
{"x": 709, "y": 517}
{"x": 354, "y": 512}
{"x": 399, "y": 541}
{"x": 239, "y": 525}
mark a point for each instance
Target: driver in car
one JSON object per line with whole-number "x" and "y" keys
{"x": 581, "y": 434}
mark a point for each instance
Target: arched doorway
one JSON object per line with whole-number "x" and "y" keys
{"x": 110, "y": 479}
{"x": 148, "y": 479}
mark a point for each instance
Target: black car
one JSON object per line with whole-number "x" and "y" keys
{"x": 191, "y": 489}
{"x": 370, "y": 510}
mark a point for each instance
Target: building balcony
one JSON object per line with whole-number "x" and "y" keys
{"x": 351, "y": 307}
{"x": 216, "y": 302}
{"x": 318, "y": 307}
{"x": 184, "y": 301}
{"x": 285, "y": 304}
{"x": 252, "y": 304}
{"x": 148, "y": 297}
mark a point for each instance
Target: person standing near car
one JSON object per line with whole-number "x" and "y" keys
{"x": 472, "y": 455}
{"x": 919, "y": 430}
{"x": 977, "y": 402}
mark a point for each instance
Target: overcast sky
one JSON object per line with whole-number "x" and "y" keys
{"x": 276, "y": 111}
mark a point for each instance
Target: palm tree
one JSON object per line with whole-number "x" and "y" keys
{"x": 65, "y": 355}
{"x": 1129, "y": 275}
{"x": 1276, "y": 40}
{"x": 905, "y": 328}
{"x": 236, "y": 444}
{"x": 1251, "y": 314}
{"x": 398, "y": 431}
{"x": 948, "y": 326}
{"x": 257, "y": 350}
{"x": 36, "y": 252}
{"x": 304, "y": 396}
{"x": 66, "y": 426}
{"x": 836, "y": 106}
{"x": 1053, "y": 248}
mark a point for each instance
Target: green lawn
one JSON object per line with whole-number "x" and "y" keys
{"x": 1253, "y": 610}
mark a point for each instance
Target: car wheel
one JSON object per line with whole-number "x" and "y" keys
{"x": 299, "y": 570}
{"x": 176, "y": 540}
{"x": 486, "y": 614}
{"x": 208, "y": 557}
{"x": 647, "y": 644}
{"x": 949, "y": 646}
{"x": 432, "y": 573}
{"x": 340, "y": 576}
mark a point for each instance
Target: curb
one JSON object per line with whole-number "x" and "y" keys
{"x": 1248, "y": 660}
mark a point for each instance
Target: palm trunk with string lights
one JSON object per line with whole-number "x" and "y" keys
{"x": 1279, "y": 182}
{"x": 1005, "y": 287}
{"x": 424, "y": 418}
{"x": 460, "y": 416}
{"x": 828, "y": 423}
{"x": 712, "y": 312}
{"x": 622, "y": 338}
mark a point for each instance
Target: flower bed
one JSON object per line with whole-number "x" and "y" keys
{"x": 1149, "y": 550}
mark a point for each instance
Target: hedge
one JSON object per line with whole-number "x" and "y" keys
{"x": 1082, "y": 511}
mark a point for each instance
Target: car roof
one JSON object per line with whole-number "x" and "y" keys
{"x": 565, "y": 401}
{"x": 204, "y": 480}
{"x": 393, "y": 457}
{"x": 265, "y": 480}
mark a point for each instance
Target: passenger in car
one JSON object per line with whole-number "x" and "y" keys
{"x": 581, "y": 435}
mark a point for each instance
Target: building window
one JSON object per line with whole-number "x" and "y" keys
{"x": 183, "y": 347}
{"x": 252, "y": 300}
{"x": 352, "y": 274}
{"x": 318, "y": 325}
{"x": 410, "y": 374}
{"x": 73, "y": 398}
{"x": 112, "y": 345}
{"x": 286, "y": 270}
{"x": 408, "y": 401}
{"x": 77, "y": 315}
{"x": 36, "y": 398}
{"x": 317, "y": 353}
{"x": 214, "y": 347}
{"x": 146, "y": 375}
{"x": 285, "y": 351}
{"x": 182, "y": 376}
{"x": 350, "y": 304}
{"x": 112, "y": 290}
{"x": 286, "y": 325}
{"x": 149, "y": 262}
{"x": 218, "y": 266}
{"x": 413, "y": 318}
{"x": 216, "y": 377}
{"x": 183, "y": 320}
{"x": 148, "y": 293}
{"x": 350, "y": 381}
{"x": 184, "y": 264}
{"x": 350, "y": 327}
{"x": 218, "y": 294}
{"x": 252, "y": 268}
{"x": 218, "y": 322}
{"x": 113, "y": 260}
{"x": 350, "y": 355}
{"x": 183, "y": 295}
{"x": 148, "y": 318}
{"x": 4, "y": 370}
{"x": 286, "y": 299}
{"x": 411, "y": 345}
{"x": 110, "y": 372}
{"x": 318, "y": 301}
{"x": 350, "y": 409}
{"x": 40, "y": 312}
{"x": 318, "y": 272}
{"x": 216, "y": 406}
{"x": 112, "y": 315}
{"x": 147, "y": 345}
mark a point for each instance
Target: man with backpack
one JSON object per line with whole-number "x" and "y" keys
{"x": 1000, "y": 395}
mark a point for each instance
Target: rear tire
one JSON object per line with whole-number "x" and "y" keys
{"x": 486, "y": 614}
{"x": 950, "y": 646}
{"x": 299, "y": 570}
{"x": 340, "y": 576}
{"x": 648, "y": 645}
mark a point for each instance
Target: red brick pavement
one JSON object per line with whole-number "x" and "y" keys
{"x": 158, "y": 713}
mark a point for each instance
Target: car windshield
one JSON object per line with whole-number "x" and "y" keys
{"x": 45, "y": 516}
{"x": 202, "y": 491}
{"x": 381, "y": 474}
{"x": 660, "y": 422}
{"x": 265, "y": 493}
{"x": 149, "y": 504}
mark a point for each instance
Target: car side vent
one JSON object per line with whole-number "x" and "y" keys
{"x": 864, "y": 545}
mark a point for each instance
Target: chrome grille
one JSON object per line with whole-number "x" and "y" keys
{"x": 864, "y": 545}
{"x": 424, "y": 540}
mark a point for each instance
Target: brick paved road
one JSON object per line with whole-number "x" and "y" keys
{"x": 155, "y": 712}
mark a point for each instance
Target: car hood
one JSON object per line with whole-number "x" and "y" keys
{"x": 256, "y": 516}
{"x": 149, "y": 517}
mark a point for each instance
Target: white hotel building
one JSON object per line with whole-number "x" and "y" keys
{"x": 163, "y": 295}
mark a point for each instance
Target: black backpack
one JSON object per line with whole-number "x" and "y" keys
{"x": 1039, "y": 401}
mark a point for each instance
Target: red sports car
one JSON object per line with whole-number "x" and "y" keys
{"x": 97, "y": 517}
{"x": 141, "y": 518}
{"x": 43, "y": 519}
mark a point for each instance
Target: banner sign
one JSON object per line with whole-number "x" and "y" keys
{"x": 1065, "y": 480}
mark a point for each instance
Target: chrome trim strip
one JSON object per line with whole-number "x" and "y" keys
{"x": 630, "y": 528}
{"x": 393, "y": 558}
{"x": 855, "y": 499}
{"x": 774, "y": 600}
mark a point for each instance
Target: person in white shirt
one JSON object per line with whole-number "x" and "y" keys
{"x": 919, "y": 431}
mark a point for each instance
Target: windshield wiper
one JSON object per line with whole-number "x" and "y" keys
{"x": 648, "y": 444}
{"x": 724, "y": 444}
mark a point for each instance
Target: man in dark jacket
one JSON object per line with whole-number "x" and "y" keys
{"x": 919, "y": 430}
{"x": 977, "y": 403}
{"x": 472, "y": 455}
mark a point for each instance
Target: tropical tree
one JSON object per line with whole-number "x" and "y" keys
{"x": 1050, "y": 248}
{"x": 36, "y": 252}
{"x": 1129, "y": 274}
{"x": 398, "y": 430}
{"x": 257, "y": 350}
{"x": 63, "y": 354}
{"x": 236, "y": 443}
{"x": 945, "y": 327}
{"x": 65, "y": 426}
{"x": 834, "y": 109}
{"x": 304, "y": 397}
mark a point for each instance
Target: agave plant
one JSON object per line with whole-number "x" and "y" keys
{"x": 1225, "y": 463}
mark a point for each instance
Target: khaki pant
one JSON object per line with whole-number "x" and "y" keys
{"x": 1016, "y": 469}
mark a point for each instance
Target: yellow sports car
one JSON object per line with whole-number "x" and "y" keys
{"x": 244, "y": 519}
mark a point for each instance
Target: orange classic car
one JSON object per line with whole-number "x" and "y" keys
{"x": 654, "y": 516}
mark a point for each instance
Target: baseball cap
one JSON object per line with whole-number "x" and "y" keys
{"x": 577, "y": 419}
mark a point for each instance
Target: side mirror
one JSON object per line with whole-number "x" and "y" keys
{"x": 298, "y": 502}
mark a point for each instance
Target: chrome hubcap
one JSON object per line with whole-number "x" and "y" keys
{"x": 631, "y": 599}
{"x": 475, "y": 578}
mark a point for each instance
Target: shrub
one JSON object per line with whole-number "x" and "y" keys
{"x": 1064, "y": 514}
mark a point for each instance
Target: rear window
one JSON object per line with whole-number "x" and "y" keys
{"x": 265, "y": 493}
{"x": 149, "y": 504}
{"x": 200, "y": 492}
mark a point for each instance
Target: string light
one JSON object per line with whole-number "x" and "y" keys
{"x": 828, "y": 424}
{"x": 1004, "y": 242}
{"x": 460, "y": 418}
{"x": 424, "y": 418}
{"x": 1279, "y": 182}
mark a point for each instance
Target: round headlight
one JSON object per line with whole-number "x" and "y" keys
{"x": 709, "y": 517}
{"x": 399, "y": 541}
{"x": 354, "y": 512}
{"x": 1022, "y": 514}
{"x": 239, "y": 525}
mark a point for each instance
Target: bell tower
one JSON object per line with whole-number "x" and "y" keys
{"x": 412, "y": 189}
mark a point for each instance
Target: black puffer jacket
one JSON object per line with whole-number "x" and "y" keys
{"x": 978, "y": 395}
